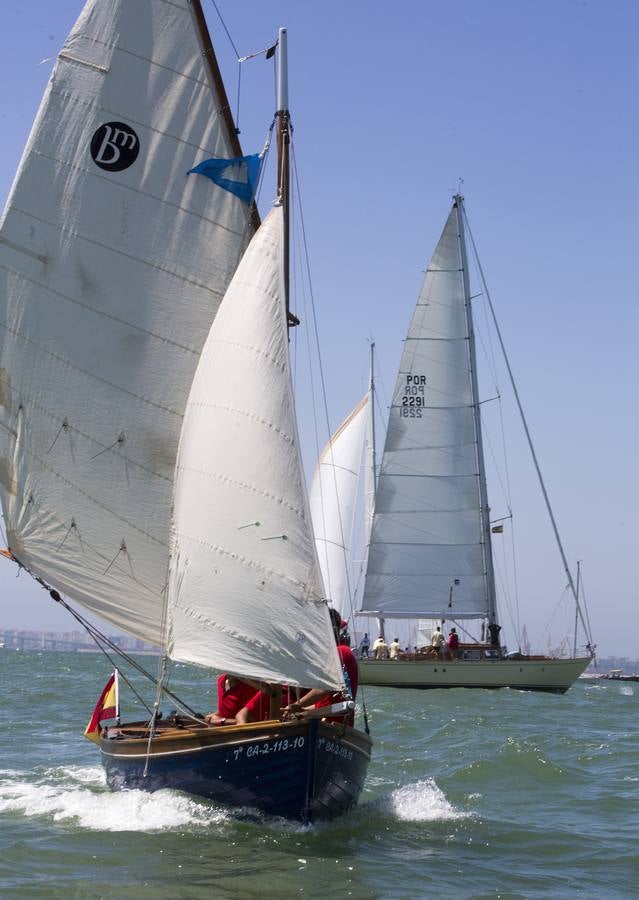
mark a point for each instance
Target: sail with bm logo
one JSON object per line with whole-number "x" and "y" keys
{"x": 114, "y": 146}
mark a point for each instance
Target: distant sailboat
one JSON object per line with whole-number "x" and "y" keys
{"x": 114, "y": 264}
{"x": 429, "y": 552}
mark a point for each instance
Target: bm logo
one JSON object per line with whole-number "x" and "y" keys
{"x": 115, "y": 146}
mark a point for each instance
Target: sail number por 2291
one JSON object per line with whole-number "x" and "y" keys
{"x": 413, "y": 399}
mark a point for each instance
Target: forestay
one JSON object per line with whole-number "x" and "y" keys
{"x": 426, "y": 554}
{"x": 112, "y": 266}
{"x": 244, "y": 592}
{"x": 333, "y": 497}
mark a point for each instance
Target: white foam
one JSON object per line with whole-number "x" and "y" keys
{"x": 422, "y": 801}
{"x": 64, "y": 796}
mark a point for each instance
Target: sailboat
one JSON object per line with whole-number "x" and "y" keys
{"x": 149, "y": 459}
{"x": 429, "y": 549}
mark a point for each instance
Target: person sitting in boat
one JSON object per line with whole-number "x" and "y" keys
{"x": 318, "y": 697}
{"x": 380, "y": 648}
{"x": 364, "y": 646}
{"x": 258, "y": 708}
{"x": 453, "y": 643}
{"x": 395, "y": 649}
{"x": 232, "y": 695}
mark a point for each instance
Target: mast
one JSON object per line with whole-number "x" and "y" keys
{"x": 483, "y": 492}
{"x": 380, "y": 621}
{"x": 372, "y": 402}
{"x": 283, "y": 118}
{"x": 219, "y": 90}
{"x": 574, "y": 643}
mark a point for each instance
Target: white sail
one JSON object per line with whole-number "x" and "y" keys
{"x": 333, "y": 496}
{"x": 112, "y": 266}
{"x": 244, "y": 591}
{"x": 426, "y": 554}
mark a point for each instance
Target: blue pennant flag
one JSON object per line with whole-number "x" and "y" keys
{"x": 238, "y": 175}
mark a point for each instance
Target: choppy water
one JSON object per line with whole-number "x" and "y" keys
{"x": 470, "y": 794}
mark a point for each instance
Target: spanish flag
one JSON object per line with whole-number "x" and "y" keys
{"x": 107, "y": 707}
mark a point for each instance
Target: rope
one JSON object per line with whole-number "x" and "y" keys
{"x": 103, "y": 641}
{"x": 323, "y": 388}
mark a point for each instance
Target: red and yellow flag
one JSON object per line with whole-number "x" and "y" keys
{"x": 107, "y": 707}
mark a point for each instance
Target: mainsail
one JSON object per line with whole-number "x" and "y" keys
{"x": 427, "y": 553}
{"x": 112, "y": 266}
{"x": 333, "y": 497}
{"x": 245, "y": 591}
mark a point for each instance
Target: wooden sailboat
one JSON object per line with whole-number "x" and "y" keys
{"x": 429, "y": 550}
{"x": 149, "y": 460}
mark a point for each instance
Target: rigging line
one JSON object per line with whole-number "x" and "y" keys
{"x": 525, "y": 425}
{"x": 490, "y": 356}
{"x": 318, "y": 445}
{"x": 228, "y": 33}
{"x": 497, "y": 472}
{"x": 546, "y": 629}
{"x": 239, "y": 66}
{"x": 323, "y": 386}
{"x": 99, "y": 637}
{"x": 503, "y": 582}
{"x": 322, "y": 380}
{"x": 583, "y": 595}
{"x": 515, "y": 572}
{"x": 162, "y": 664}
{"x": 100, "y": 640}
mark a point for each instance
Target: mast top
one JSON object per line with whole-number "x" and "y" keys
{"x": 282, "y": 80}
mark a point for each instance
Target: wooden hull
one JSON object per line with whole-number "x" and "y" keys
{"x": 541, "y": 674}
{"x": 304, "y": 770}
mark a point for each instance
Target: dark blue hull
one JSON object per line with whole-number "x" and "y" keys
{"x": 307, "y": 771}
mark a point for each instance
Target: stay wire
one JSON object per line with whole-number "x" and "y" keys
{"x": 101, "y": 639}
{"x": 321, "y": 377}
{"x": 239, "y": 65}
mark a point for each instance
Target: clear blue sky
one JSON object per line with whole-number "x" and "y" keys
{"x": 534, "y": 105}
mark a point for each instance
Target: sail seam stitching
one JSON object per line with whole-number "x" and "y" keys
{"x": 97, "y": 503}
{"x": 280, "y": 366}
{"x": 99, "y": 312}
{"x": 258, "y": 420}
{"x": 249, "y": 563}
{"x": 67, "y": 96}
{"x": 117, "y": 252}
{"x": 88, "y": 374}
{"x": 115, "y": 48}
{"x": 70, "y": 427}
{"x": 225, "y": 479}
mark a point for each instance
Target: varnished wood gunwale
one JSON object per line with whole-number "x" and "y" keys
{"x": 132, "y": 739}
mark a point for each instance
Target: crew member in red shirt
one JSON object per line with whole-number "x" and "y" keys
{"x": 232, "y": 695}
{"x": 258, "y": 708}
{"x": 319, "y": 697}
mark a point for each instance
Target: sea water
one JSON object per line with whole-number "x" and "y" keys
{"x": 469, "y": 794}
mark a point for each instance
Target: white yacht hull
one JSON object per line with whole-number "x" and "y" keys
{"x": 555, "y": 675}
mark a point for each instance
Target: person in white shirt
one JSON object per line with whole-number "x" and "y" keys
{"x": 395, "y": 649}
{"x": 437, "y": 641}
{"x": 380, "y": 648}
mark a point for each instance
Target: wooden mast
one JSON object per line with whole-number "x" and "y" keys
{"x": 217, "y": 84}
{"x": 283, "y": 119}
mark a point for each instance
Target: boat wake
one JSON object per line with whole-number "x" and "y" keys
{"x": 78, "y": 796}
{"x": 419, "y": 801}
